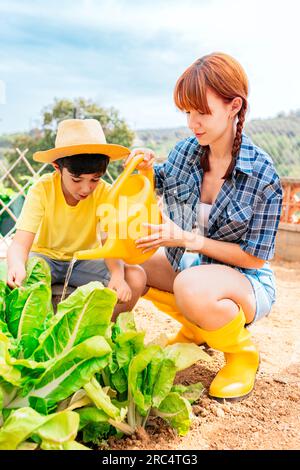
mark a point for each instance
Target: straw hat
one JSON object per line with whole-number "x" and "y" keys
{"x": 76, "y": 136}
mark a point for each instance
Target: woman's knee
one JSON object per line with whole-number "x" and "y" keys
{"x": 189, "y": 286}
{"x": 213, "y": 291}
{"x": 190, "y": 295}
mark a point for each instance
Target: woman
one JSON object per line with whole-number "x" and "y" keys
{"x": 223, "y": 198}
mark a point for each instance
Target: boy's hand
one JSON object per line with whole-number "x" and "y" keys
{"x": 149, "y": 157}
{"x": 16, "y": 275}
{"x": 121, "y": 287}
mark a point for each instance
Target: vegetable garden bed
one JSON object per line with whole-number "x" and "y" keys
{"x": 75, "y": 378}
{"x": 268, "y": 419}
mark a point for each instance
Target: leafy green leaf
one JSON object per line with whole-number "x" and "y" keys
{"x": 177, "y": 411}
{"x": 124, "y": 322}
{"x": 7, "y": 394}
{"x": 85, "y": 313}
{"x": 127, "y": 345}
{"x": 7, "y": 371}
{"x": 18, "y": 427}
{"x": 185, "y": 355}
{"x": 61, "y": 428}
{"x": 190, "y": 392}
{"x": 91, "y": 414}
{"x": 68, "y": 373}
{"x": 94, "y": 424}
{"x": 37, "y": 270}
{"x": 53, "y": 431}
{"x": 101, "y": 399}
{"x": 27, "y": 311}
{"x": 164, "y": 380}
{"x": 137, "y": 374}
{"x": 73, "y": 445}
{"x": 29, "y": 307}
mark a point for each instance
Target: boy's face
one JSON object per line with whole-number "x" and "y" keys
{"x": 79, "y": 187}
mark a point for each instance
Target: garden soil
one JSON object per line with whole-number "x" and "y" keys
{"x": 270, "y": 417}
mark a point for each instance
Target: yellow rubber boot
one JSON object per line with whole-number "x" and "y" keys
{"x": 185, "y": 335}
{"x": 165, "y": 301}
{"x": 236, "y": 379}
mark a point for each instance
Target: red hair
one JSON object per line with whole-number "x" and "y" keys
{"x": 226, "y": 77}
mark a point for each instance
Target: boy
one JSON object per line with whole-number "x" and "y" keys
{"x": 59, "y": 215}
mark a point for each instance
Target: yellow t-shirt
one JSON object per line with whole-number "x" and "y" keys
{"x": 60, "y": 229}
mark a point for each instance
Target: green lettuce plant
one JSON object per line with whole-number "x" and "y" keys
{"x": 142, "y": 379}
{"x": 75, "y": 371}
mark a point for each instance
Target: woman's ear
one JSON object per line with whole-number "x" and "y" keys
{"x": 236, "y": 105}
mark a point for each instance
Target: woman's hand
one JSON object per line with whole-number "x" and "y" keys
{"x": 166, "y": 234}
{"x": 121, "y": 287}
{"x": 147, "y": 163}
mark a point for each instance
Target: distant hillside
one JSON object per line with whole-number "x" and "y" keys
{"x": 161, "y": 140}
{"x": 279, "y": 136}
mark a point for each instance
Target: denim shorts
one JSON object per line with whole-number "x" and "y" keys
{"x": 262, "y": 281}
{"x": 84, "y": 271}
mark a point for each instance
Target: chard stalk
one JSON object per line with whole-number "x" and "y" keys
{"x": 124, "y": 427}
{"x": 105, "y": 378}
{"x": 162, "y": 414}
{"x": 145, "y": 419}
{"x": 131, "y": 413}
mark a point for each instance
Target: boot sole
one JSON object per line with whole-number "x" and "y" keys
{"x": 232, "y": 399}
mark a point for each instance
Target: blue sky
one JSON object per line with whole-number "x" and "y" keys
{"x": 129, "y": 53}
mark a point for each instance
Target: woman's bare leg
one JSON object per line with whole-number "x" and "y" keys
{"x": 159, "y": 272}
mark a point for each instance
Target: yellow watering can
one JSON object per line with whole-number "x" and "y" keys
{"x": 130, "y": 202}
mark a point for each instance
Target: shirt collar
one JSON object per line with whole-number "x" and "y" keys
{"x": 196, "y": 155}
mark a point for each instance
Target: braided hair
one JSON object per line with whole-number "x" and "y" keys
{"x": 235, "y": 148}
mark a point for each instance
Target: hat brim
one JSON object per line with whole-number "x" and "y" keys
{"x": 113, "y": 151}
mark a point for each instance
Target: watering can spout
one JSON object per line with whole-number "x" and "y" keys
{"x": 109, "y": 250}
{"x": 130, "y": 202}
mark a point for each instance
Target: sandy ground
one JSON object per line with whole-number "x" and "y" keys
{"x": 270, "y": 417}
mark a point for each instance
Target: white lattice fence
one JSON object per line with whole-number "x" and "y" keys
{"x": 20, "y": 190}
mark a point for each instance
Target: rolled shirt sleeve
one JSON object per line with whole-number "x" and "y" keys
{"x": 259, "y": 240}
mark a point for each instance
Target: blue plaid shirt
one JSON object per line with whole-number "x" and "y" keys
{"x": 247, "y": 208}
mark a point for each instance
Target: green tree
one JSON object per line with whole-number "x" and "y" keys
{"x": 42, "y": 138}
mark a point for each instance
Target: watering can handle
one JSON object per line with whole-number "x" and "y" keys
{"x": 128, "y": 170}
{"x": 149, "y": 173}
